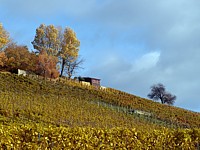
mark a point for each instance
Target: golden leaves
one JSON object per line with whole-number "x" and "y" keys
{"x": 3, "y": 59}
{"x": 70, "y": 45}
{"x": 47, "y": 39}
{"x": 4, "y": 37}
{"x": 46, "y": 65}
{"x": 67, "y": 119}
{"x": 62, "y": 44}
{"x": 39, "y": 136}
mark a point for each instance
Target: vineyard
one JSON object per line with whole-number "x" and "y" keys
{"x": 41, "y": 114}
{"x": 50, "y": 137}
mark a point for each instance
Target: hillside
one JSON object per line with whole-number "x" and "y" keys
{"x": 47, "y": 111}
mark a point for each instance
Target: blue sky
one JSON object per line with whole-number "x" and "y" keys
{"x": 130, "y": 44}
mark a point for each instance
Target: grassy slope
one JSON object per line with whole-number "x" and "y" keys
{"x": 39, "y": 114}
{"x": 70, "y": 104}
{"x": 26, "y": 100}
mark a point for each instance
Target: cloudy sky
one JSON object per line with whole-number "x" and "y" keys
{"x": 128, "y": 44}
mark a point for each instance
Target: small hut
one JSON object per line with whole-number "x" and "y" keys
{"x": 19, "y": 72}
{"x": 93, "y": 81}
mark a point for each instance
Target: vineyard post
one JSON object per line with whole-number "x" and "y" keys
{"x": 198, "y": 146}
{"x": 31, "y": 101}
{"x": 58, "y": 95}
{"x": 13, "y": 105}
{"x": 38, "y": 137}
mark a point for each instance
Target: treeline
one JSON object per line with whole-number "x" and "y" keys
{"x": 56, "y": 52}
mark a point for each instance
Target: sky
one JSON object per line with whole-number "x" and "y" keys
{"x": 129, "y": 44}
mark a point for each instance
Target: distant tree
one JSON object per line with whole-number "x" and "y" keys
{"x": 69, "y": 53}
{"x": 18, "y": 57}
{"x": 47, "y": 39}
{"x": 46, "y": 65}
{"x": 4, "y": 37}
{"x": 158, "y": 93}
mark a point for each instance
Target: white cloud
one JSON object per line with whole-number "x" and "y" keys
{"x": 147, "y": 61}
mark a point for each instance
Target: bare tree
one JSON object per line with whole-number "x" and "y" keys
{"x": 158, "y": 93}
{"x": 71, "y": 67}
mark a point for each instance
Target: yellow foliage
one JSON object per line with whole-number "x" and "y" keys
{"x": 4, "y": 37}
{"x": 38, "y": 136}
{"x": 39, "y": 114}
{"x": 70, "y": 47}
{"x": 3, "y": 59}
{"x": 47, "y": 39}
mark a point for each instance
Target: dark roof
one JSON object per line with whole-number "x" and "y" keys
{"x": 91, "y": 78}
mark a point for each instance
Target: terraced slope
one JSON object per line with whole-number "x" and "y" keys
{"x": 165, "y": 113}
{"x": 28, "y": 96}
{"x": 24, "y": 99}
{"x": 41, "y": 114}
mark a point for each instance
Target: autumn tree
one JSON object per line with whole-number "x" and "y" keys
{"x": 47, "y": 39}
{"x": 69, "y": 52}
{"x": 4, "y": 37}
{"x": 3, "y": 60}
{"x": 46, "y": 65}
{"x": 158, "y": 92}
{"x": 19, "y": 57}
{"x": 62, "y": 44}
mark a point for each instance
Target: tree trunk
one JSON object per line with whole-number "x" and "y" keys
{"x": 68, "y": 72}
{"x": 162, "y": 101}
{"x": 161, "y": 98}
{"x": 62, "y": 67}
